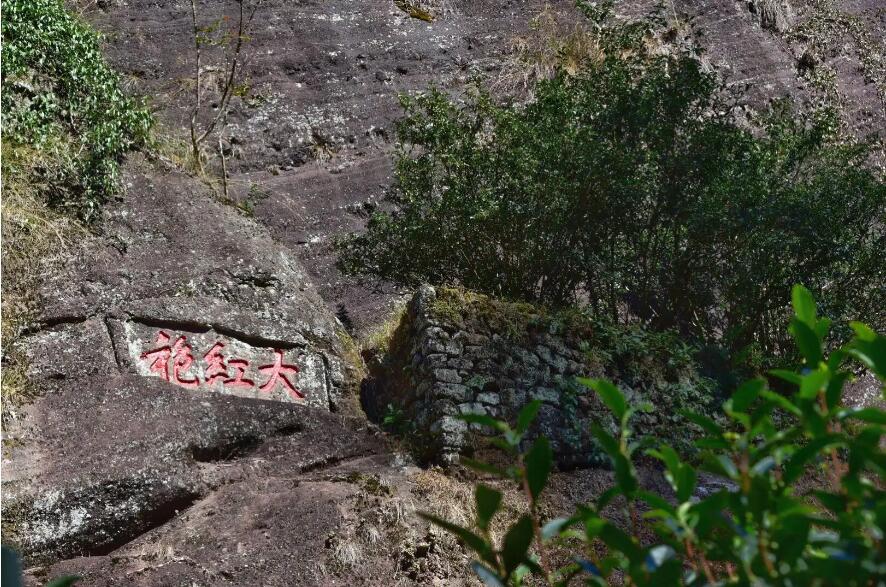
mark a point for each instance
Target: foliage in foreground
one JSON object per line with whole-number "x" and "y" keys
{"x": 61, "y": 98}
{"x": 764, "y": 530}
{"x": 629, "y": 186}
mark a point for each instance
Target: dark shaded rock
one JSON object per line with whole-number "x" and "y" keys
{"x": 92, "y": 467}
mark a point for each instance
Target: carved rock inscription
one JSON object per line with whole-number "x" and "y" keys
{"x": 209, "y": 361}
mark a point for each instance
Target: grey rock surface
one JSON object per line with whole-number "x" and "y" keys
{"x": 134, "y": 403}
{"x": 311, "y": 151}
{"x": 137, "y": 481}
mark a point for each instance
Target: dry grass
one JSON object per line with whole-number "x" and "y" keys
{"x": 453, "y": 500}
{"x": 777, "y": 15}
{"x": 379, "y": 340}
{"x": 33, "y": 240}
{"x": 550, "y": 45}
{"x": 558, "y": 43}
{"x": 426, "y": 10}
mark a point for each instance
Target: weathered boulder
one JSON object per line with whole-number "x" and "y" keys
{"x": 177, "y": 273}
{"x": 158, "y": 348}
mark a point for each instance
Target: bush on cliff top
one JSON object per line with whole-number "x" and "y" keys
{"x": 59, "y": 96}
{"x": 629, "y": 187}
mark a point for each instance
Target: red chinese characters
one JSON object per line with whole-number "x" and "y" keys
{"x": 181, "y": 356}
{"x": 173, "y": 362}
{"x": 277, "y": 372}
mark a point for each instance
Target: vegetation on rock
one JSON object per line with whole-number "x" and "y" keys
{"x": 763, "y": 526}
{"x": 629, "y": 187}
{"x": 66, "y": 124}
{"x": 61, "y": 97}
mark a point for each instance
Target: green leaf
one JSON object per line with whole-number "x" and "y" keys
{"x": 863, "y": 331}
{"x": 685, "y": 482}
{"x": 538, "y": 463}
{"x": 781, "y": 402}
{"x": 607, "y": 496}
{"x": 625, "y": 475}
{"x": 872, "y": 353}
{"x": 606, "y": 440}
{"x": 681, "y": 476}
{"x": 516, "y": 544}
{"x": 610, "y": 395}
{"x": 703, "y": 422}
{"x": 483, "y": 467}
{"x": 488, "y": 501}
{"x": 484, "y": 420}
{"x": 618, "y": 540}
{"x": 555, "y": 527}
{"x": 822, "y": 327}
{"x": 745, "y": 395}
{"x": 657, "y": 556}
{"x": 796, "y": 465}
{"x": 471, "y": 540}
{"x": 487, "y": 575}
{"x": 527, "y": 416}
{"x": 870, "y": 415}
{"x": 588, "y": 567}
{"x": 834, "y": 389}
{"x": 65, "y": 581}
{"x": 721, "y": 465}
{"x": 667, "y": 455}
{"x": 804, "y": 305}
{"x": 789, "y": 376}
{"x": 807, "y": 341}
{"x": 813, "y": 383}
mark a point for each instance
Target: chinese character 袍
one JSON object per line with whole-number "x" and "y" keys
{"x": 181, "y": 356}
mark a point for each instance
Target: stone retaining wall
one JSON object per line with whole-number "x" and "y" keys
{"x": 456, "y": 352}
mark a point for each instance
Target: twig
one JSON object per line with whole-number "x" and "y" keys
{"x": 195, "y": 144}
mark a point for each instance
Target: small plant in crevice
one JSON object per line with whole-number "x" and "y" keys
{"x": 231, "y": 41}
{"x": 569, "y": 408}
{"x": 803, "y": 501}
{"x": 395, "y": 420}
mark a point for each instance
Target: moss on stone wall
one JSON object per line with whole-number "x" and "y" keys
{"x": 456, "y": 351}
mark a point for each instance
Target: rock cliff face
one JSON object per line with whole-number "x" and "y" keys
{"x": 311, "y": 149}
{"x": 138, "y": 465}
{"x": 179, "y": 304}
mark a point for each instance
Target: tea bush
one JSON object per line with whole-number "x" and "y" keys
{"x": 629, "y": 187}
{"x": 765, "y": 530}
{"x": 60, "y": 97}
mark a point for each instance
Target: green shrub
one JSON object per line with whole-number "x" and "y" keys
{"x": 766, "y": 530}
{"x": 628, "y": 186}
{"x": 60, "y": 96}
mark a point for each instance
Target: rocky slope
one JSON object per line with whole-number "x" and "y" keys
{"x": 129, "y": 479}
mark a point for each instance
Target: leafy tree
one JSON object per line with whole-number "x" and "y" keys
{"x": 628, "y": 186}
{"x": 763, "y": 531}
